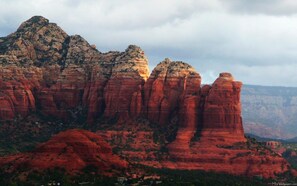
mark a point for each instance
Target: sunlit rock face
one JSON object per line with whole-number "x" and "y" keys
{"x": 166, "y": 90}
{"x": 123, "y": 91}
{"x": 64, "y": 75}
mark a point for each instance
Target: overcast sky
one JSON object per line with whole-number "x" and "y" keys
{"x": 255, "y": 40}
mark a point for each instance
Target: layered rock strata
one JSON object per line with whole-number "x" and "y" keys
{"x": 72, "y": 76}
{"x": 44, "y": 70}
{"x": 221, "y": 112}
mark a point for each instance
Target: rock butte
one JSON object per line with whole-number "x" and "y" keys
{"x": 43, "y": 69}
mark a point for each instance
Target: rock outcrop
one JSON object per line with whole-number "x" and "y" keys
{"x": 17, "y": 89}
{"x": 73, "y": 76}
{"x": 221, "y": 112}
{"x": 123, "y": 92}
{"x": 172, "y": 97}
{"x": 237, "y": 159}
{"x": 47, "y": 72}
{"x": 167, "y": 88}
{"x": 72, "y": 150}
{"x": 35, "y": 41}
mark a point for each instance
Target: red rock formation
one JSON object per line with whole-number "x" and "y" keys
{"x": 93, "y": 98}
{"x": 220, "y": 144}
{"x": 75, "y": 77}
{"x": 36, "y": 41}
{"x": 221, "y": 112}
{"x": 115, "y": 87}
{"x": 7, "y": 111}
{"x": 231, "y": 160}
{"x": 214, "y": 117}
{"x": 123, "y": 92}
{"x": 42, "y": 67}
{"x": 65, "y": 94}
{"x": 16, "y": 88}
{"x": 169, "y": 84}
{"x": 72, "y": 150}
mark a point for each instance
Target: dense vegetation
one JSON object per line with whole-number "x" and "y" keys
{"x": 291, "y": 154}
{"x": 23, "y": 134}
{"x": 167, "y": 177}
{"x": 188, "y": 177}
{"x": 54, "y": 177}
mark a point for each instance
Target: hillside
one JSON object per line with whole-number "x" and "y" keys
{"x": 270, "y": 111}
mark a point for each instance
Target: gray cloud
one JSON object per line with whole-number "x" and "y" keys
{"x": 270, "y": 7}
{"x": 254, "y": 40}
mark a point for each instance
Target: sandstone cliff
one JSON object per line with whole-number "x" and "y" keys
{"x": 221, "y": 112}
{"x": 53, "y": 75}
{"x": 67, "y": 75}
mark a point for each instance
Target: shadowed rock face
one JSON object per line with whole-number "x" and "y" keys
{"x": 213, "y": 114}
{"x": 221, "y": 113}
{"x": 64, "y": 77}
